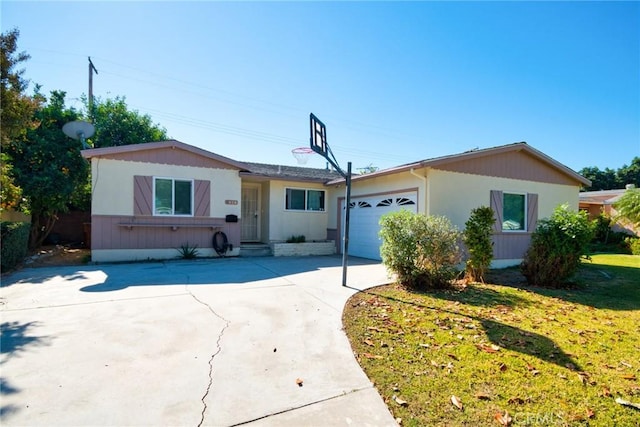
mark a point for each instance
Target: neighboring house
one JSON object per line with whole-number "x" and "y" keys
{"x": 150, "y": 198}
{"x": 601, "y": 202}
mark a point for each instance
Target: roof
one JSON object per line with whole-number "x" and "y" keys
{"x": 602, "y": 197}
{"x": 257, "y": 170}
{"x": 439, "y": 162}
{"x": 289, "y": 172}
{"x": 147, "y": 146}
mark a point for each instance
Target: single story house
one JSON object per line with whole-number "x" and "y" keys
{"x": 602, "y": 202}
{"x": 149, "y": 199}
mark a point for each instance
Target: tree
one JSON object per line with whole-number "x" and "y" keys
{"x": 630, "y": 174}
{"x": 17, "y": 107}
{"x": 117, "y": 125}
{"x": 600, "y": 180}
{"x": 48, "y": 166}
{"x": 628, "y": 206}
{"x": 16, "y": 113}
{"x": 609, "y": 179}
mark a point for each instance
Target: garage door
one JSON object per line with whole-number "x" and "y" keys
{"x": 365, "y": 218}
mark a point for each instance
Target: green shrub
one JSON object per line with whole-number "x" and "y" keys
{"x": 297, "y": 239}
{"x": 557, "y": 245}
{"x": 602, "y": 228}
{"x": 477, "y": 239}
{"x": 15, "y": 241}
{"x": 421, "y": 250}
{"x": 633, "y": 243}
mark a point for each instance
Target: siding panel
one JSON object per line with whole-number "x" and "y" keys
{"x": 202, "y": 198}
{"x": 142, "y": 195}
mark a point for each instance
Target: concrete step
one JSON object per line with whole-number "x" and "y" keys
{"x": 255, "y": 250}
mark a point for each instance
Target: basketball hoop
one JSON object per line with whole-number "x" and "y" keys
{"x": 302, "y": 154}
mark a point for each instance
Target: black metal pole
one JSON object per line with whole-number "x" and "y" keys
{"x": 345, "y": 249}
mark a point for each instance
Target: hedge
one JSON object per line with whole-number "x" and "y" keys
{"x": 14, "y": 244}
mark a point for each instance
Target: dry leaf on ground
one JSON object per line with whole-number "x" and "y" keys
{"x": 456, "y": 402}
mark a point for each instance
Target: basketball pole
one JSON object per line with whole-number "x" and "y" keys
{"x": 345, "y": 249}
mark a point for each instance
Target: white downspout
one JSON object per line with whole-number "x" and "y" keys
{"x": 423, "y": 190}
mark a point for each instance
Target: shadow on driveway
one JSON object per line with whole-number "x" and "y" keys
{"x": 214, "y": 271}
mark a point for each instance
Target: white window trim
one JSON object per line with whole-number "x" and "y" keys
{"x": 173, "y": 196}
{"x": 306, "y": 195}
{"x": 526, "y": 211}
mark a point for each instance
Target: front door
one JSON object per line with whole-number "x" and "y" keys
{"x": 249, "y": 226}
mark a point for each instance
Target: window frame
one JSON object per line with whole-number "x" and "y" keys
{"x": 323, "y": 198}
{"x": 173, "y": 197}
{"x": 525, "y": 225}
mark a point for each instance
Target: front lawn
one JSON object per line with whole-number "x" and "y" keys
{"x": 510, "y": 355}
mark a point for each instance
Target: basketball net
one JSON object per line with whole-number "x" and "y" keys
{"x": 302, "y": 154}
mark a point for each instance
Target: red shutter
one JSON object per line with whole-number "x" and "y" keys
{"x": 142, "y": 195}
{"x": 496, "y": 204}
{"x": 532, "y": 212}
{"x": 202, "y": 198}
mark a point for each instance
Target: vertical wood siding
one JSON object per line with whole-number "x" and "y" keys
{"x": 107, "y": 233}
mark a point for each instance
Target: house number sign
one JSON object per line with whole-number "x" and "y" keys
{"x": 230, "y": 202}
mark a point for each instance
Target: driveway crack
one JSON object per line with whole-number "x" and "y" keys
{"x": 213, "y": 355}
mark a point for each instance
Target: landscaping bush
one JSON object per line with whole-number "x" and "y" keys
{"x": 14, "y": 243}
{"x": 421, "y": 250}
{"x": 296, "y": 239}
{"x": 633, "y": 243}
{"x": 477, "y": 239}
{"x": 557, "y": 245}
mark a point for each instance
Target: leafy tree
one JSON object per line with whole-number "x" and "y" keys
{"x": 630, "y": 174}
{"x": 17, "y": 107}
{"x": 477, "y": 239}
{"x": 600, "y": 180}
{"x": 48, "y": 166}
{"x": 628, "y": 206}
{"x": 610, "y": 179}
{"x": 117, "y": 125}
{"x": 16, "y": 113}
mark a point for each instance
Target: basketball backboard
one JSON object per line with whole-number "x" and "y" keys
{"x": 318, "y": 139}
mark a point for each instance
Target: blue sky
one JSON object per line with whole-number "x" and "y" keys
{"x": 394, "y": 82}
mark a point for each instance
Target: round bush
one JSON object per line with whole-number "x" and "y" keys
{"x": 421, "y": 250}
{"x": 557, "y": 246}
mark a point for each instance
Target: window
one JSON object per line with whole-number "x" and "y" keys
{"x": 173, "y": 197}
{"x": 514, "y": 212}
{"x": 304, "y": 200}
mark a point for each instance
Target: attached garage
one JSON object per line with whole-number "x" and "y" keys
{"x": 364, "y": 222}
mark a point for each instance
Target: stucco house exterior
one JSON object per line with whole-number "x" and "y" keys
{"x": 149, "y": 199}
{"x": 602, "y": 202}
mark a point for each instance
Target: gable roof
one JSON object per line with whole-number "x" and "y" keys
{"x": 295, "y": 173}
{"x": 488, "y": 161}
{"x": 141, "y": 152}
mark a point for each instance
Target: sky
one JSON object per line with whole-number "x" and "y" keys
{"x": 394, "y": 82}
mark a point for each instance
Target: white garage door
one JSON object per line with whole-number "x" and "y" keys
{"x": 365, "y": 218}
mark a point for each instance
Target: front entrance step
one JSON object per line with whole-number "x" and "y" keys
{"x": 255, "y": 250}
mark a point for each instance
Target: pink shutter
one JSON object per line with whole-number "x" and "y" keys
{"x": 496, "y": 204}
{"x": 202, "y": 198}
{"x": 532, "y": 212}
{"x": 142, "y": 195}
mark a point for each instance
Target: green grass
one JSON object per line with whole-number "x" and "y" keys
{"x": 547, "y": 357}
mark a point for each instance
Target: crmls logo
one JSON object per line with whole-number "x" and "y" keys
{"x": 537, "y": 419}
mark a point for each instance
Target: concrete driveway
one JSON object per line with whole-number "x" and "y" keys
{"x": 185, "y": 343}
